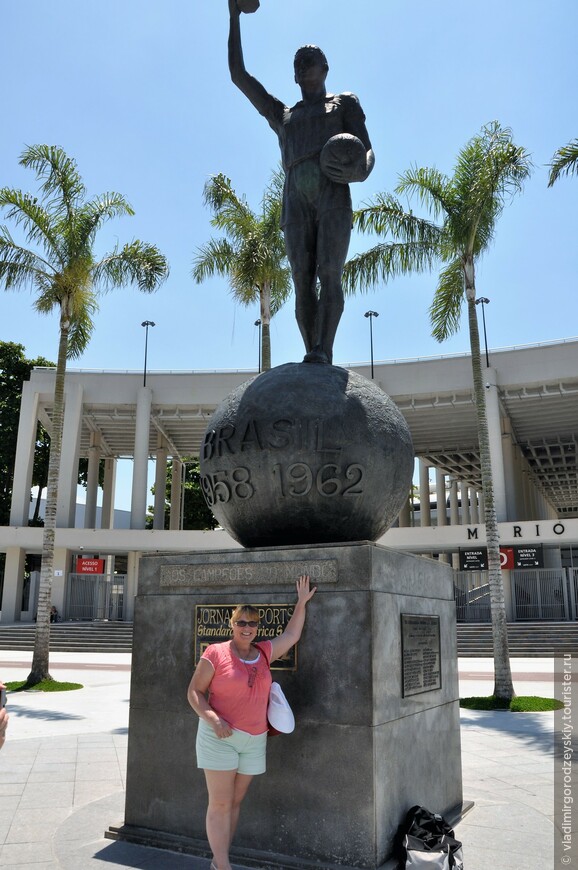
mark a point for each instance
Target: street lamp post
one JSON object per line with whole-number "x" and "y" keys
{"x": 258, "y": 323}
{"x": 371, "y": 315}
{"x": 146, "y": 324}
{"x": 483, "y": 301}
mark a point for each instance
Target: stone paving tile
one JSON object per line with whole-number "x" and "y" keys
{"x": 36, "y": 825}
{"x": 36, "y": 795}
{"x": 94, "y": 772}
{"x": 484, "y": 858}
{"x": 85, "y": 792}
{"x": 11, "y": 788}
{"x": 65, "y": 757}
{"x": 94, "y": 755}
{"x": 15, "y": 772}
{"x": 52, "y": 772}
{"x": 26, "y": 853}
{"x": 9, "y": 802}
{"x": 36, "y": 866}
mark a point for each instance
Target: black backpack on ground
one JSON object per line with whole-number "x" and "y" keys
{"x": 425, "y": 840}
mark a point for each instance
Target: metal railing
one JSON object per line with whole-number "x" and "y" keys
{"x": 539, "y": 594}
{"x": 472, "y": 595}
{"x": 95, "y": 597}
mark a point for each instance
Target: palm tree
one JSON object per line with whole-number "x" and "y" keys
{"x": 62, "y": 268}
{"x": 464, "y": 208}
{"x": 252, "y": 254}
{"x": 564, "y": 162}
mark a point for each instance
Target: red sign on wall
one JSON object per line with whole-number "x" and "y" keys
{"x": 507, "y": 558}
{"x": 89, "y": 566}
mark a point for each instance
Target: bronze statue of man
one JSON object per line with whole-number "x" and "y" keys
{"x": 316, "y": 217}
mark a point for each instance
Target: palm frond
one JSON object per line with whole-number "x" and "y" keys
{"x": 19, "y": 266}
{"x": 273, "y": 197}
{"x": 252, "y": 256}
{"x": 94, "y": 213}
{"x": 445, "y": 310}
{"x": 281, "y": 290}
{"x": 386, "y": 216}
{"x": 61, "y": 181}
{"x": 230, "y": 212}
{"x": 379, "y": 264}
{"x": 136, "y": 263}
{"x": 431, "y": 186}
{"x": 82, "y": 310}
{"x": 38, "y": 225}
{"x": 490, "y": 170}
{"x": 564, "y": 162}
{"x": 216, "y": 257}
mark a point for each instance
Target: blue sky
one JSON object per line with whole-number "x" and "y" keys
{"x": 139, "y": 94}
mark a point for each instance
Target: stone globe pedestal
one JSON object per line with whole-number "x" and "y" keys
{"x": 306, "y": 454}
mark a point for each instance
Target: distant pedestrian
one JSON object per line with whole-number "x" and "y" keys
{"x": 3, "y": 717}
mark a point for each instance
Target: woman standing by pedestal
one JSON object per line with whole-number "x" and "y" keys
{"x": 230, "y": 691}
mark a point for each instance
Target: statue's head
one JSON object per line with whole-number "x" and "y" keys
{"x": 307, "y": 56}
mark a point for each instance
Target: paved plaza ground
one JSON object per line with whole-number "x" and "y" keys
{"x": 62, "y": 771}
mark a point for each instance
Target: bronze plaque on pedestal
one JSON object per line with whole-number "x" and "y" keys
{"x": 420, "y": 654}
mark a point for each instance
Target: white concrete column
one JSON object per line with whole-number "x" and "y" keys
{"x": 176, "y": 485}
{"x": 495, "y": 436}
{"x": 454, "y": 508}
{"x": 11, "y": 603}
{"x": 441, "y": 497}
{"x": 109, "y": 483}
{"x": 92, "y": 481}
{"x": 465, "y": 494}
{"x": 138, "y": 507}
{"x": 131, "y": 585}
{"x": 68, "y": 477}
{"x": 474, "y": 506}
{"x": 160, "y": 487}
{"x": 424, "y": 502}
{"x": 509, "y": 457}
{"x": 24, "y": 460}
{"x": 405, "y": 515}
{"x": 481, "y": 506}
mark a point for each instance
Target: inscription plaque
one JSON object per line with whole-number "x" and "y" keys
{"x": 420, "y": 654}
{"x": 225, "y": 574}
{"x": 212, "y": 625}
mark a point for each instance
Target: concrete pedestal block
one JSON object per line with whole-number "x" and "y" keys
{"x": 361, "y": 755}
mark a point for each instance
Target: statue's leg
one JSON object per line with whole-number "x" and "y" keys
{"x": 300, "y": 246}
{"x": 332, "y": 245}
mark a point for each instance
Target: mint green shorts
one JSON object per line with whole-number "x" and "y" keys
{"x": 245, "y": 753}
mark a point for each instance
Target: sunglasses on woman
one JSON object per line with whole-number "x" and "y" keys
{"x": 243, "y": 623}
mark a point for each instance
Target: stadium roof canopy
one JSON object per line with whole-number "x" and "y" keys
{"x": 537, "y": 387}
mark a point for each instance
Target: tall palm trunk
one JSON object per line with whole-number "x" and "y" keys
{"x": 40, "y": 657}
{"x": 503, "y": 685}
{"x": 265, "y": 305}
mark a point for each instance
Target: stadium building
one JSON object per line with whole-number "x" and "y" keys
{"x": 532, "y": 409}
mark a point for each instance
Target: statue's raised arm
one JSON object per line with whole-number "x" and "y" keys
{"x": 248, "y": 84}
